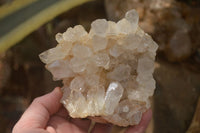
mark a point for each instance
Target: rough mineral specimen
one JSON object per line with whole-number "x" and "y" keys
{"x": 106, "y": 73}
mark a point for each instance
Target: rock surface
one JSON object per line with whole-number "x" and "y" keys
{"x": 107, "y": 72}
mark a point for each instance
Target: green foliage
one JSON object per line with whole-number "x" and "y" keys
{"x": 20, "y": 18}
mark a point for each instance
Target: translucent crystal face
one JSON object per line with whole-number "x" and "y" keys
{"x": 106, "y": 72}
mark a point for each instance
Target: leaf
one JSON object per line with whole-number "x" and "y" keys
{"x": 18, "y": 22}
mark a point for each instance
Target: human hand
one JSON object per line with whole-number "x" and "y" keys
{"x": 46, "y": 115}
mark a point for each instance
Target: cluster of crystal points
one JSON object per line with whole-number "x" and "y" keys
{"x": 107, "y": 72}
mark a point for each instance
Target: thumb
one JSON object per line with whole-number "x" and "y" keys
{"x": 40, "y": 110}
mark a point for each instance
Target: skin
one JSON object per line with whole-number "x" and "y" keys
{"x": 47, "y": 115}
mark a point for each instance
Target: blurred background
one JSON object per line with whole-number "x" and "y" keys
{"x": 28, "y": 27}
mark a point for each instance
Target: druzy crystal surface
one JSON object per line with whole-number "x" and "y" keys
{"x": 106, "y": 73}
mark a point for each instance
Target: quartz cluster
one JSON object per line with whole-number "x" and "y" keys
{"x": 106, "y": 73}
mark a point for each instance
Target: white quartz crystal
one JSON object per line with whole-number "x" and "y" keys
{"x": 115, "y": 51}
{"x": 77, "y": 64}
{"x": 99, "y": 43}
{"x": 106, "y": 73}
{"x": 124, "y": 26}
{"x": 112, "y": 29}
{"x": 133, "y": 18}
{"x": 54, "y": 54}
{"x": 77, "y": 84}
{"x": 74, "y": 34}
{"x": 101, "y": 60}
{"x": 99, "y": 27}
{"x": 81, "y": 51}
{"x": 60, "y": 69}
{"x": 113, "y": 95}
{"x": 120, "y": 73}
{"x": 59, "y": 38}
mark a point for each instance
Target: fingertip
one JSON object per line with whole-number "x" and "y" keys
{"x": 50, "y": 129}
{"x": 56, "y": 93}
{"x": 57, "y": 90}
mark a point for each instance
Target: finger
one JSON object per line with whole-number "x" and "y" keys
{"x": 141, "y": 127}
{"x": 38, "y": 113}
{"x": 102, "y": 128}
{"x": 83, "y": 124}
{"x": 61, "y": 125}
{"x": 50, "y": 129}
